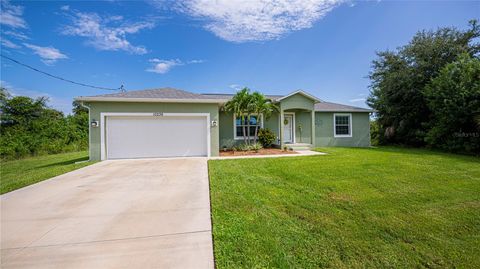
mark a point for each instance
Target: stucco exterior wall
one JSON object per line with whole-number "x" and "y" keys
{"x": 305, "y": 119}
{"x": 98, "y": 107}
{"x": 226, "y": 130}
{"x": 325, "y": 134}
{"x": 297, "y": 101}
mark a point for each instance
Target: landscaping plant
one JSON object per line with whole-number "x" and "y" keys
{"x": 245, "y": 104}
{"x": 266, "y": 137}
{"x": 256, "y": 147}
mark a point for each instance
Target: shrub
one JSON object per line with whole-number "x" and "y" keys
{"x": 256, "y": 147}
{"x": 266, "y": 137}
{"x": 244, "y": 147}
{"x": 374, "y": 133}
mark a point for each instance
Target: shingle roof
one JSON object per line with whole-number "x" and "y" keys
{"x": 172, "y": 95}
{"x": 226, "y": 96}
{"x": 163, "y": 93}
{"x": 333, "y": 107}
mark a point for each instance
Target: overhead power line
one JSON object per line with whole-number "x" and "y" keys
{"x": 63, "y": 79}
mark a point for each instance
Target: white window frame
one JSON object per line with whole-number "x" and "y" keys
{"x": 349, "y": 123}
{"x": 235, "y": 137}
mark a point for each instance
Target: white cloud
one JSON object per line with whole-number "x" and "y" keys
{"x": 195, "y": 61}
{"x": 243, "y": 21}
{"x": 65, "y": 8}
{"x": 163, "y": 66}
{"x": 160, "y": 66}
{"x": 109, "y": 33}
{"x": 49, "y": 55}
{"x": 9, "y": 44}
{"x": 356, "y": 100}
{"x": 236, "y": 87}
{"x": 16, "y": 35}
{"x": 11, "y": 15}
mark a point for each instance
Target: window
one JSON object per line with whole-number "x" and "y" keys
{"x": 238, "y": 126}
{"x": 342, "y": 125}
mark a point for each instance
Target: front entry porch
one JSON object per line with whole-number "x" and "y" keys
{"x": 297, "y": 129}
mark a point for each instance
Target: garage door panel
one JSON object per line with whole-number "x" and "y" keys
{"x": 146, "y": 137}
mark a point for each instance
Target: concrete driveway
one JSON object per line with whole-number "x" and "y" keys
{"x": 151, "y": 213}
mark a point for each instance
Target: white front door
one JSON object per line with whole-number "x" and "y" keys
{"x": 288, "y": 123}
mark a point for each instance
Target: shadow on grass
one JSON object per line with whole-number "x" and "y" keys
{"x": 403, "y": 150}
{"x": 65, "y": 162}
{"x": 427, "y": 152}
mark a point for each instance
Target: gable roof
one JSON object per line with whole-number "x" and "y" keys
{"x": 302, "y": 93}
{"x": 334, "y": 107}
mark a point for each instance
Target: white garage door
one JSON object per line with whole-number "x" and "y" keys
{"x": 148, "y": 136}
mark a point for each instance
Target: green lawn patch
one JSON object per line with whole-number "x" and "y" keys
{"x": 20, "y": 173}
{"x": 352, "y": 208}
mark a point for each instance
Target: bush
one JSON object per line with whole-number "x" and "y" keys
{"x": 244, "y": 147}
{"x": 266, "y": 137}
{"x": 374, "y": 133}
{"x": 256, "y": 147}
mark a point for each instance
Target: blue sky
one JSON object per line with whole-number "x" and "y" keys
{"x": 324, "y": 47}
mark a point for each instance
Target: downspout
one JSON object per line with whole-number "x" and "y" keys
{"x": 89, "y": 130}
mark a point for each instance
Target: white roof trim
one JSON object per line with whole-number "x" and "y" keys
{"x": 144, "y": 100}
{"x": 302, "y": 93}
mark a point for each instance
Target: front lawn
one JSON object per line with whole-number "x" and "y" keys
{"x": 352, "y": 208}
{"x": 20, "y": 173}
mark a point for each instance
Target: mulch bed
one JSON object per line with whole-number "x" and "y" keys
{"x": 252, "y": 153}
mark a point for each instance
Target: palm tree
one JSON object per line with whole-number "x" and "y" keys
{"x": 239, "y": 106}
{"x": 261, "y": 106}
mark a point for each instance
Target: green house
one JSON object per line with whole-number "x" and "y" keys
{"x": 169, "y": 122}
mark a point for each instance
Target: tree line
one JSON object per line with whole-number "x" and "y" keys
{"x": 427, "y": 93}
{"x": 29, "y": 127}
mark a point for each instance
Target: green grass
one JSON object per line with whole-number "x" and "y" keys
{"x": 20, "y": 173}
{"x": 353, "y": 208}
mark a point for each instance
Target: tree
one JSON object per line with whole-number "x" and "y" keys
{"x": 78, "y": 109}
{"x": 30, "y": 127}
{"x": 245, "y": 104}
{"x": 239, "y": 106}
{"x": 454, "y": 99}
{"x": 22, "y": 109}
{"x": 399, "y": 79}
{"x": 260, "y": 105}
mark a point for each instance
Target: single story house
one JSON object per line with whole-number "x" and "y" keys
{"x": 169, "y": 122}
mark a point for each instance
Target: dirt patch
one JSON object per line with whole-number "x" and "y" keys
{"x": 253, "y": 153}
{"x": 340, "y": 197}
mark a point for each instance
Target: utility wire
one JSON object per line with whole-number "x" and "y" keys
{"x": 60, "y": 78}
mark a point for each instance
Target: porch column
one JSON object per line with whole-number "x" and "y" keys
{"x": 281, "y": 129}
{"x": 313, "y": 128}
